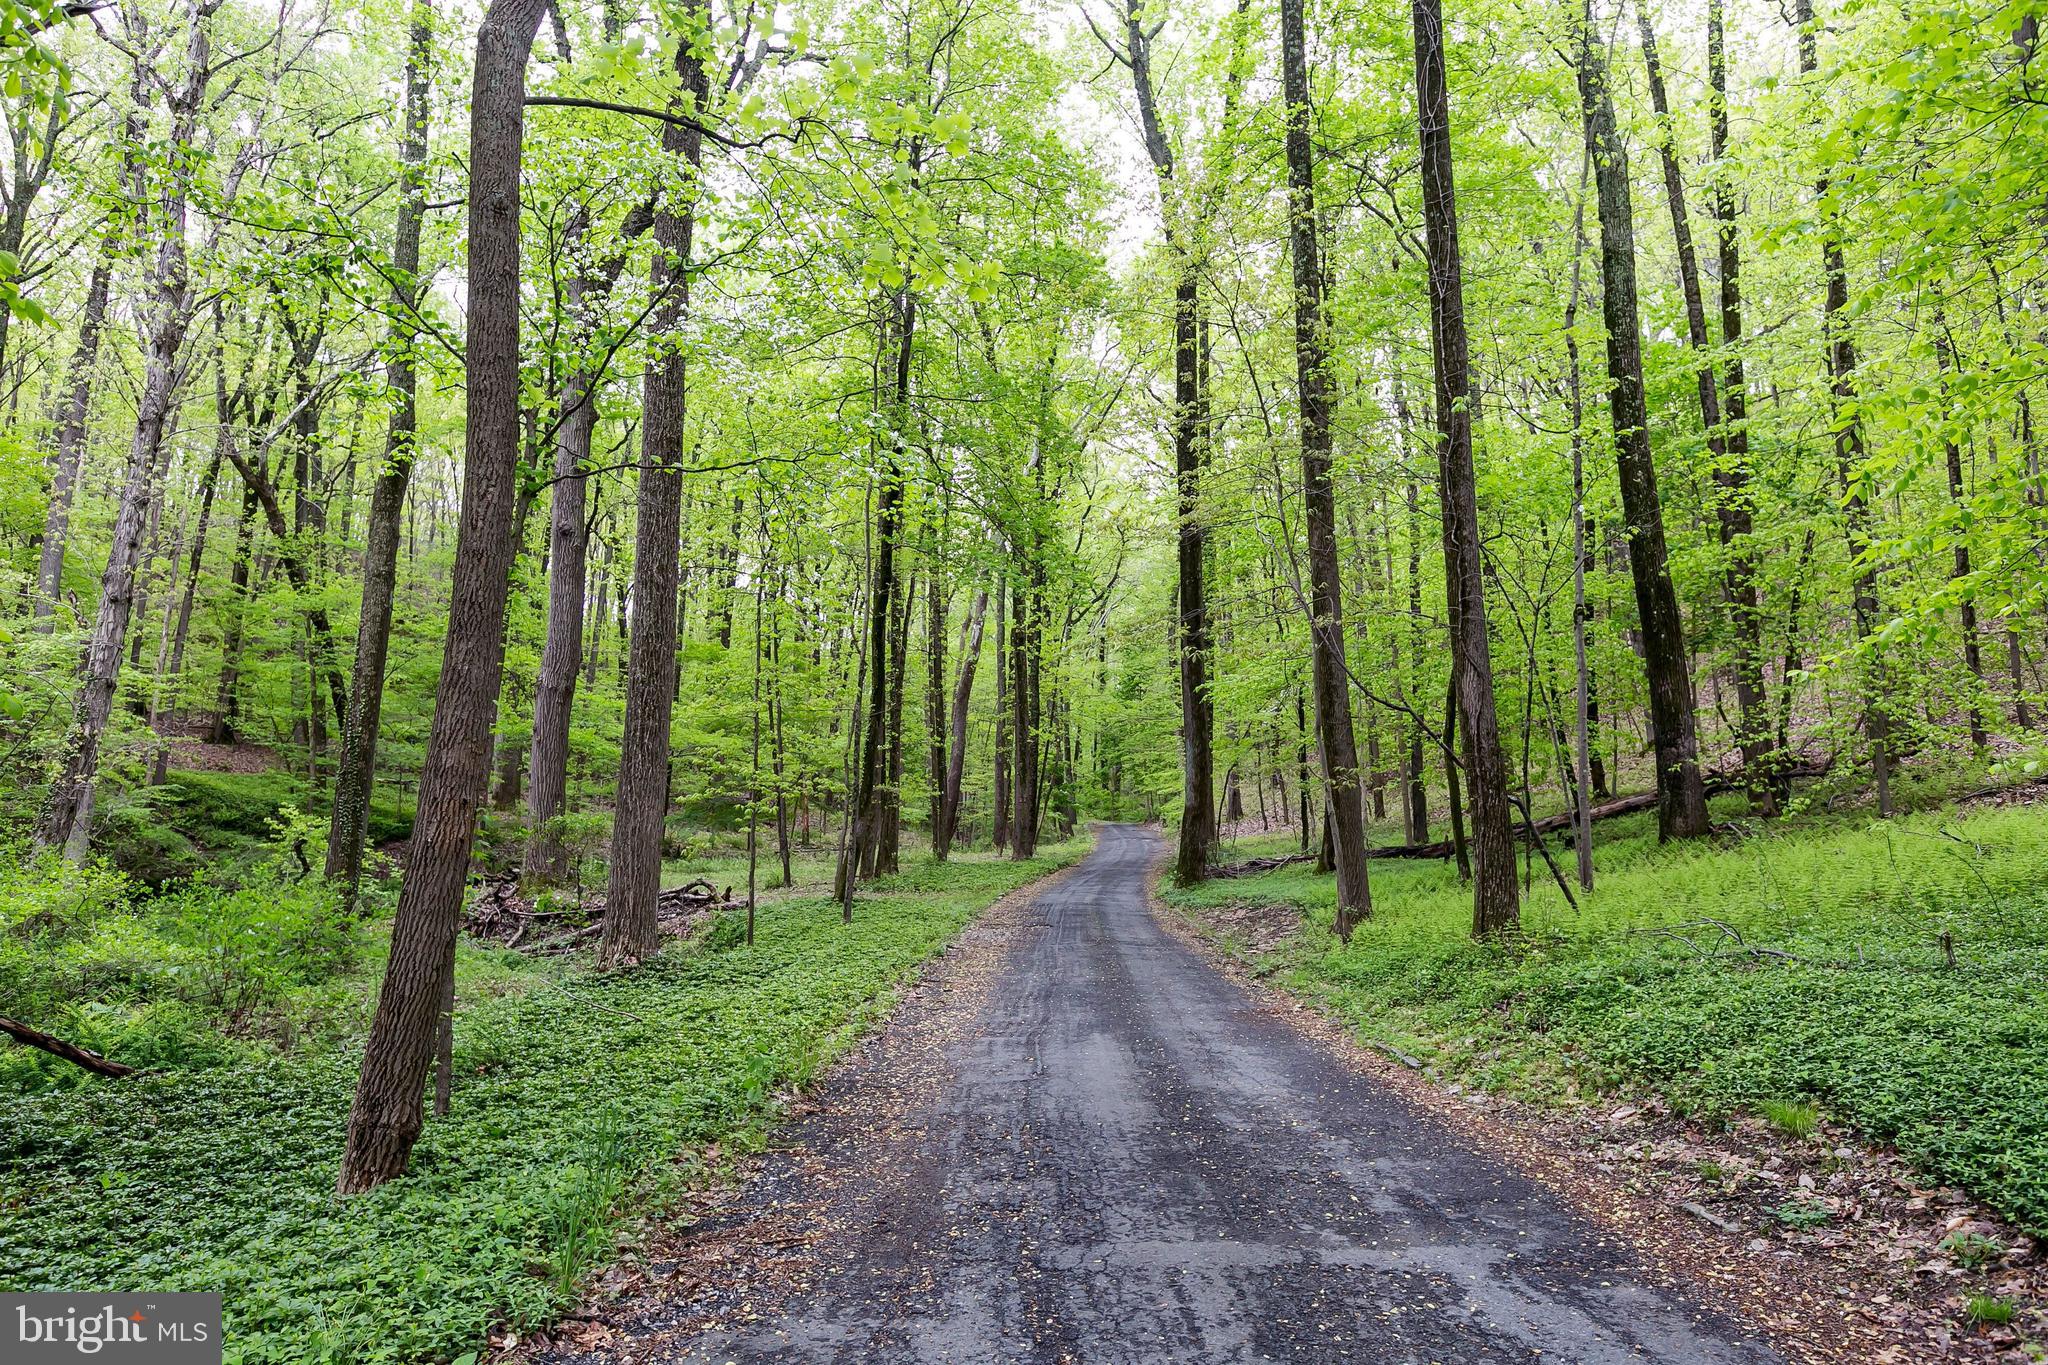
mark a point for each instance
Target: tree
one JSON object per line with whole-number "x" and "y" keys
{"x": 1495, "y": 907}
{"x": 1682, "y": 797}
{"x": 631, "y": 932}
{"x": 167, "y": 312}
{"x": 384, "y": 1120}
{"x": 1319, "y": 512}
{"x": 356, "y": 773}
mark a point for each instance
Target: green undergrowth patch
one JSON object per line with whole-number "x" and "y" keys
{"x": 581, "y": 1099}
{"x": 1888, "y": 975}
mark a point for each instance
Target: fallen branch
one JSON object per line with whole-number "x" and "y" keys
{"x": 57, "y": 1047}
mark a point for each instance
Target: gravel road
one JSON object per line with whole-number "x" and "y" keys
{"x": 1110, "y": 1153}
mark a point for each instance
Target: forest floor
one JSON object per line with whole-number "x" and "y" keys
{"x": 1078, "y": 1141}
{"x": 582, "y": 1101}
{"x": 1813, "y": 1056}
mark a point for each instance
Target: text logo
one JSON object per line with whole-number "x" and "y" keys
{"x": 120, "y": 1329}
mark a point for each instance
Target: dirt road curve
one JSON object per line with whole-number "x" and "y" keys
{"x": 1117, "y": 1157}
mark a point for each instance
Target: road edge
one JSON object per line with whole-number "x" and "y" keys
{"x": 719, "y": 1256}
{"x": 1761, "y": 1290}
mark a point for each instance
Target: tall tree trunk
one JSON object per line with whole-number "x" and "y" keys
{"x": 1415, "y": 802}
{"x": 554, "y": 695}
{"x": 1735, "y": 512}
{"x": 999, "y": 800}
{"x": 936, "y": 602}
{"x": 963, "y": 693}
{"x": 1590, "y": 780}
{"x": 1024, "y": 713}
{"x": 1848, "y": 426}
{"x": 1682, "y": 796}
{"x": 227, "y": 703}
{"x": 1973, "y": 649}
{"x": 1190, "y": 422}
{"x": 1331, "y": 680}
{"x": 1495, "y": 908}
{"x": 1192, "y": 634}
{"x": 71, "y": 439}
{"x": 1301, "y": 768}
{"x": 631, "y": 932}
{"x": 868, "y": 794}
{"x": 384, "y": 1120}
{"x": 356, "y": 775}
{"x": 167, "y": 314}
{"x": 173, "y": 675}
{"x": 1453, "y": 798}
{"x": 883, "y": 846}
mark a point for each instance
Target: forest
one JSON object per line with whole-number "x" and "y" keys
{"x": 559, "y": 557}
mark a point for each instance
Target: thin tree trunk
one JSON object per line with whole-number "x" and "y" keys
{"x": 1682, "y": 807}
{"x": 1735, "y": 513}
{"x": 999, "y": 830}
{"x": 1495, "y": 908}
{"x": 935, "y": 703}
{"x": 1973, "y": 649}
{"x": 1415, "y": 804}
{"x": 868, "y": 794}
{"x": 1848, "y": 425}
{"x": 227, "y": 708}
{"x": 168, "y": 312}
{"x": 356, "y": 775}
{"x": 1025, "y": 711}
{"x": 385, "y": 1118}
{"x": 173, "y": 674}
{"x": 963, "y": 693}
{"x": 631, "y": 932}
{"x": 71, "y": 440}
{"x": 1301, "y": 768}
{"x": 1582, "y": 559}
{"x": 1331, "y": 679}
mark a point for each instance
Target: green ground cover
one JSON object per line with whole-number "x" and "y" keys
{"x": 1867, "y": 1017}
{"x": 579, "y": 1101}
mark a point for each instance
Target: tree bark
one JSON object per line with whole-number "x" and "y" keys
{"x": 1495, "y": 907}
{"x": 999, "y": 800}
{"x": 227, "y": 700}
{"x": 356, "y": 775}
{"x": 173, "y": 674}
{"x": 385, "y": 1118}
{"x": 872, "y": 778}
{"x": 631, "y": 932}
{"x": 1190, "y": 420}
{"x": 1973, "y": 649}
{"x": 71, "y": 439}
{"x": 1682, "y": 809}
{"x": 1024, "y": 713}
{"x": 1415, "y": 793}
{"x": 167, "y": 314}
{"x": 1734, "y": 512}
{"x": 1848, "y": 425}
{"x": 936, "y": 730}
{"x": 963, "y": 693}
{"x": 57, "y": 1047}
{"x": 1330, "y": 678}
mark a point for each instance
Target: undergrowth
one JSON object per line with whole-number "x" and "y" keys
{"x": 1889, "y": 975}
{"x": 580, "y": 1099}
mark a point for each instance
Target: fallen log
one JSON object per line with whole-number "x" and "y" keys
{"x": 57, "y": 1047}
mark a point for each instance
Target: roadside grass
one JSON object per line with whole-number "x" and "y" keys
{"x": 1911, "y": 1003}
{"x": 581, "y": 1100}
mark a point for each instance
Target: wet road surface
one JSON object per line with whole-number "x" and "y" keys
{"x": 1121, "y": 1158}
